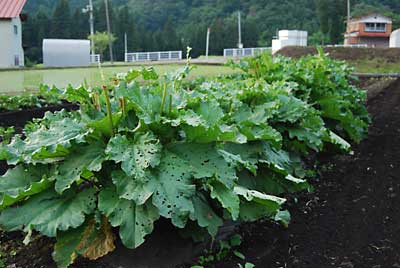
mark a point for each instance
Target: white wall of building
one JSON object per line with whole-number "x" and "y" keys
{"x": 375, "y": 19}
{"x": 11, "y": 51}
{"x": 66, "y": 52}
{"x": 289, "y": 38}
{"x": 395, "y": 39}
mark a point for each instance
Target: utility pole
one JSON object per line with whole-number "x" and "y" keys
{"x": 208, "y": 41}
{"x": 348, "y": 11}
{"x": 240, "y": 44}
{"x": 109, "y": 32}
{"x": 126, "y": 45}
{"x": 89, "y": 9}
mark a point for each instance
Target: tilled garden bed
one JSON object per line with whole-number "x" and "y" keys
{"x": 351, "y": 220}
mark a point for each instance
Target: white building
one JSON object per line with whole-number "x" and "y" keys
{"x": 395, "y": 39}
{"x": 66, "y": 52}
{"x": 11, "y": 51}
{"x": 289, "y": 38}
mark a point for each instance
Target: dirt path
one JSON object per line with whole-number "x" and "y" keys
{"x": 353, "y": 218}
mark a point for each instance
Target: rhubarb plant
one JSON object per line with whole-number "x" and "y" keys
{"x": 195, "y": 152}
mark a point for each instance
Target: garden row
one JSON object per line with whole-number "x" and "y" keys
{"x": 198, "y": 153}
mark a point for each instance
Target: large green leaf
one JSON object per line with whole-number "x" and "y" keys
{"x": 210, "y": 112}
{"x": 21, "y": 182}
{"x": 146, "y": 104}
{"x": 222, "y": 133}
{"x": 65, "y": 250}
{"x": 47, "y": 143}
{"x": 49, "y": 212}
{"x": 226, "y": 197}
{"x": 255, "y": 116}
{"x": 246, "y": 155}
{"x": 333, "y": 138}
{"x": 271, "y": 182}
{"x": 91, "y": 240}
{"x": 291, "y": 109}
{"x": 257, "y": 204}
{"x": 310, "y": 130}
{"x": 134, "y": 221}
{"x": 103, "y": 125}
{"x": 278, "y": 159}
{"x": 205, "y": 162}
{"x": 135, "y": 155}
{"x": 205, "y": 216}
{"x": 251, "y": 195}
{"x": 84, "y": 158}
{"x": 173, "y": 189}
{"x": 136, "y": 189}
{"x": 262, "y": 132}
{"x": 206, "y": 125}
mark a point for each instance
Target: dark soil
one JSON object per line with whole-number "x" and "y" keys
{"x": 352, "y": 220}
{"x": 18, "y": 119}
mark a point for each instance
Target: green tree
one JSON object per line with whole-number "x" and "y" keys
{"x": 80, "y": 27}
{"x": 322, "y": 10}
{"x": 170, "y": 39}
{"x": 165, "y": 25}
{"x": 125, "y": 24}
{"x": 337, "y": 17}
{"x": 101, "y": 41}
{"x": 61, "y": 21}
{"x": 331, "y": 15}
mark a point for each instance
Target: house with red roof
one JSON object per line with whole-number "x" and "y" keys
{"x": 11, "y": 50}
{"x": 372, "y": 30}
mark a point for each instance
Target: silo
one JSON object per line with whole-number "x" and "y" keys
{"x": 395, "y": 39}
{"x": 66, "y": 52}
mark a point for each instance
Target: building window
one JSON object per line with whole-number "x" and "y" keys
{"x": 375, "y": 27}
{"x": 15, "y": 29}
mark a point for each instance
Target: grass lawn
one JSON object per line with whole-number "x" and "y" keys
{"x": 17, "y": 81}
{"x": 376, "y": 66}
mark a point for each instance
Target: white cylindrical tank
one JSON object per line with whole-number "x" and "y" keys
{"x": 289, "y": 38}
{"x": 66, "y": 52}
{"x": 395, "y": 39}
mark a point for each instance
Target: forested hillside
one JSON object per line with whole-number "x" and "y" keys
{"x": 154, "y": 25}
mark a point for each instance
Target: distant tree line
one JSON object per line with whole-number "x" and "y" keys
{"x": 174, "y": 24}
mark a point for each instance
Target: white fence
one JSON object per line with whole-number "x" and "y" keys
{"x": 245, "y": 52}
{"x": 153, "y": 56}
{"x": 95, "y": 58}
